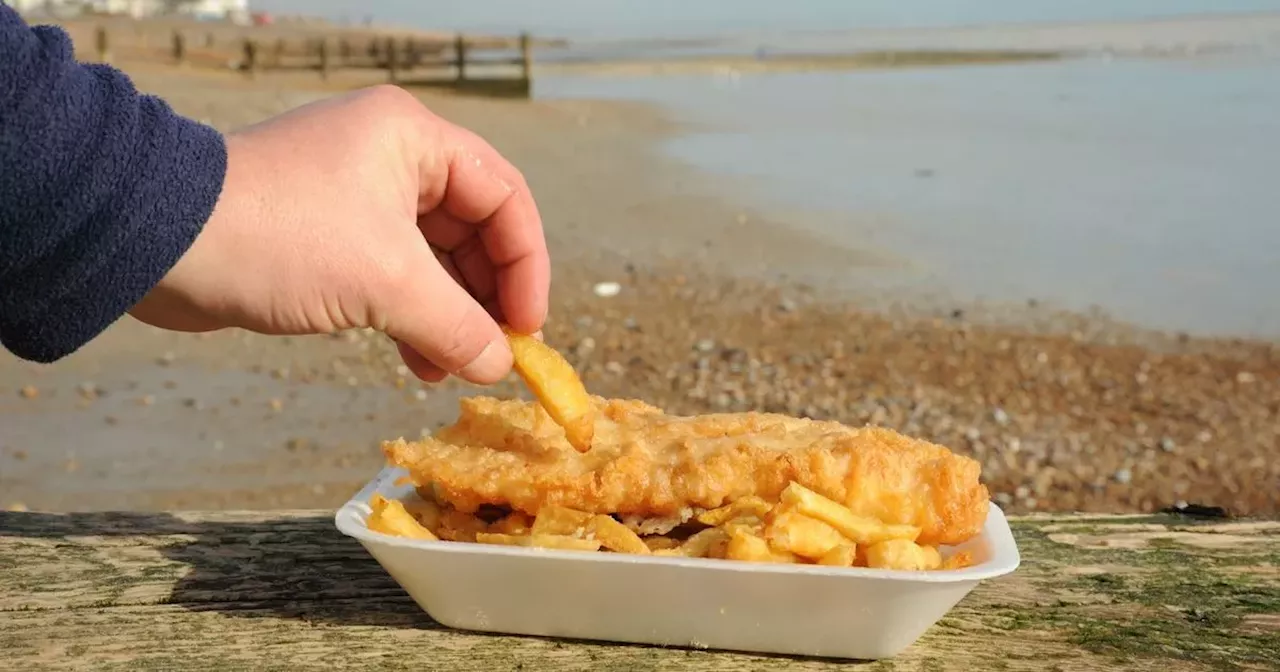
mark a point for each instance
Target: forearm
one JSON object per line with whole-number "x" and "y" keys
{"x": 102, "y": 190}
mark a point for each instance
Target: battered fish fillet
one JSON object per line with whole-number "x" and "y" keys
{"x": 644, "y": 465}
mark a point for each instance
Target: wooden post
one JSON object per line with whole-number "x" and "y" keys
{"x": 393, "y": 60}
{"x": 460, "y": 52}
{"x": 251, "y": 58}
{"x": 344, "y": 52}
{"x": 179, "y": 47}
{"x": 323, "y": 47}
{"x": 412, "y": 57}
{"x": 278, "y": 60}
{"x": 526, "y": 57}
{"x": 209, "y": 40}
{"x": 103, "y": 44}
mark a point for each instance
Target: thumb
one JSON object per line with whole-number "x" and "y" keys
{"x": 438, "y": 319}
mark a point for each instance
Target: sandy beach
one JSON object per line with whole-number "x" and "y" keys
{"x": 1065, "y": 411}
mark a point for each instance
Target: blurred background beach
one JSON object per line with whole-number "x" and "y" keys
{"x": 1041, "y": 233}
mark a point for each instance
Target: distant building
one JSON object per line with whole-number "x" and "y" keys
{"x": 210, "y": 10}
{"x": 216, "y": 10}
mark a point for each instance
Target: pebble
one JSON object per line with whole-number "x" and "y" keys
{"x": 606, "y": 289}
{"x": 420, "y": 395}
{"x": 29, "y": 392}
{"x": 1000, "y": 416}
{"x": 615, "y": 368}
{"x": 705, "y": 345}
{"x": 146, "y": 400}
{"x": 1168, "y": 445}
{"x": 1123, "y": 476}
{"x": 276, "y": 405}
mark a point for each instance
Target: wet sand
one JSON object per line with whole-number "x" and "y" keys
{"x": 1065, "y": 411}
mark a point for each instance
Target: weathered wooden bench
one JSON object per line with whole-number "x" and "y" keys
{"x": 284, "y": 590}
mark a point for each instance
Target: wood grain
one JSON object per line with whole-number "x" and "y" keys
{"x": 283, "y": 590}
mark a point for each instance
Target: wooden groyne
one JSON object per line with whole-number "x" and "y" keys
{"x": 494, "y": 64}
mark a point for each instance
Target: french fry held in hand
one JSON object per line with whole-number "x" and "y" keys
{"x": 557, "y": 387}
{"x": 802, "y": 528}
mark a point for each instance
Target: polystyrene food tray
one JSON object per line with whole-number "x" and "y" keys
{"x": 805, "y": 610}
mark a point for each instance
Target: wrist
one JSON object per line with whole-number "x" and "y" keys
{"x": 199, "y": 292}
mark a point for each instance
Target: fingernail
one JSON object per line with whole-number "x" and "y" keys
{"x": 491, "y": 365}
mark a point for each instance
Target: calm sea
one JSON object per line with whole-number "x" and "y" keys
{"x": 1147, "y": 186}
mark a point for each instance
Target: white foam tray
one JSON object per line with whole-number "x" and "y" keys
{"x": 803, "y": 610}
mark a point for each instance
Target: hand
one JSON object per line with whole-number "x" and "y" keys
{"x": 367, "y": 210}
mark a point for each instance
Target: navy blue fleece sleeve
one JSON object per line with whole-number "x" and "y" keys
{"x": 102, "y": 189}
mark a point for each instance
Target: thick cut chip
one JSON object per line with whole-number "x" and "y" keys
{"x": 840, "y": 556}
{"x": 513, "y": 523}
{"x": 858, "y": 529}
{"x": 749, "y": 548}
{"x": 391, "y": 518}
{"x": 747, "y": 506}
{"x": 559, "y": 520}
{"x": 615, "y": 536}
{"x": 661, "y": 543}
{"x": 794, "y": 532}
{"x": 549, "y": 541}
{"x": 557, "y": 387}
{"x": 709, "y": 543}
{"x": 958, "y": 560}
{"x": 903, "y": 554}
{"x": 458, "y": 526}
{"x": 427, "y": 513}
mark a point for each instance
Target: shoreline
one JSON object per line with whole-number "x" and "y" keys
{"x": 1065, "y": 411}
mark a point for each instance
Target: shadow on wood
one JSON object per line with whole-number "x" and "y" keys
{"x": 296, "y": 567}
{"x": 1167, "y": 592}
{"x": 245, "y": 569}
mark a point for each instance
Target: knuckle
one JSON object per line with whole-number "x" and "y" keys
{"x": 397, "y": 274}
{"x": 389, "y": 96}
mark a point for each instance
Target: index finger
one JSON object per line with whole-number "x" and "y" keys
{"x": 483, "y": 188}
